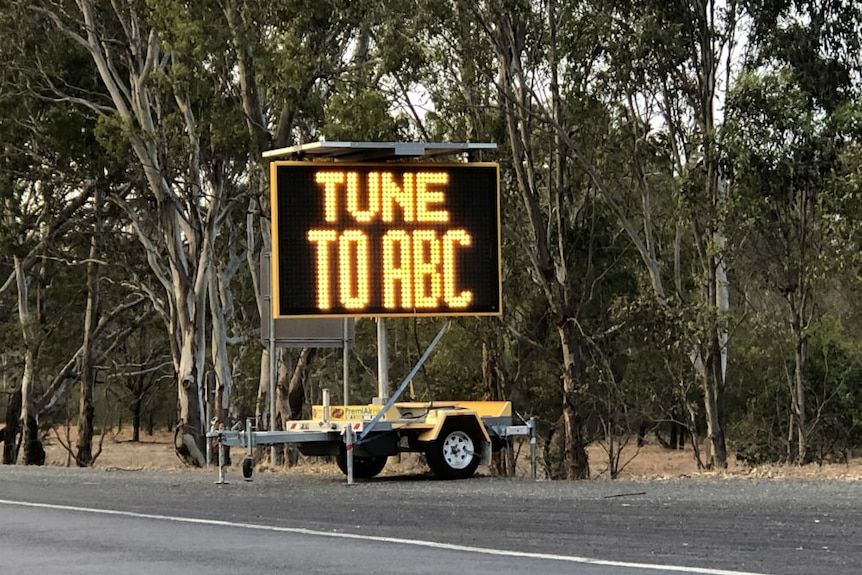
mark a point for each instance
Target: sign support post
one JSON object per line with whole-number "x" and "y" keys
{"x": 273, "y": 376}
{"x": 345, "y": 368}
{"x": 382, "y": 363}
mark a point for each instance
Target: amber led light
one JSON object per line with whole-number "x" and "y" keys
{"x": 385, "y": 239}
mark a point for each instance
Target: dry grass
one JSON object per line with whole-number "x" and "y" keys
{"x": 156, "y": 452}
{"x": 118, "y": 450}
{"x": 656, "y": 462}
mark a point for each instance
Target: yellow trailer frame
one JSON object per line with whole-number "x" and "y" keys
{"x": 455, "y": 436}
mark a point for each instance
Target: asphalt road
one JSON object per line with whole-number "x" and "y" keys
{"x": 55, "y": 520}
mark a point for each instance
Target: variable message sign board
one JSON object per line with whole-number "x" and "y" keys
{"x": 397, "y": 239}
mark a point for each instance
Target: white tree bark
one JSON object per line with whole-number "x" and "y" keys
{"x": 33, "y": 452}
{"x": 176, "y": 243}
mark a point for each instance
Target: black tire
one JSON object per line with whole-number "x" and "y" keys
{"x": 247, "y": 467}
{"x": 363, "y": 467}
{"x": 457, "y": 451}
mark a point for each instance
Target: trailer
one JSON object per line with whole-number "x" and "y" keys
{"x": 366, "y": 233}
{"x": 455, "y": 436}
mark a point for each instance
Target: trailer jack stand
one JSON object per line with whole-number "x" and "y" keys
{"x": 221, "y": 465}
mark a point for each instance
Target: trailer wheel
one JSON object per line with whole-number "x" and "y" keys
{"x": 247, "y": 467}
{"x": 455, "y": 454}
{"x": 363, "y": 467}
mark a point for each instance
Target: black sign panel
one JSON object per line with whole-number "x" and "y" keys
{"x": 385, "y": 239}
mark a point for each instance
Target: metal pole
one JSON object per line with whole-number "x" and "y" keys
{"x": 382, "y": 363}
{"x": 348, "y": 448}
{"x": 221, "y": 480}
{"x": 532, "y": 425}
{"x": 273, "y": 375}
{"x": 249, "y": 438}
{"x": 367, "y": 429}
{"x": 345, "y": 357}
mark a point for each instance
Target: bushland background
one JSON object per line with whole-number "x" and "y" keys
{"x": 680, "y": 208}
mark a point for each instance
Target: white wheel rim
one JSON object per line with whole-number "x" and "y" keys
{"x": 458, "y": 450}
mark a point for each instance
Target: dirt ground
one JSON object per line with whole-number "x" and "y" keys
{"x": 649, "y": 462}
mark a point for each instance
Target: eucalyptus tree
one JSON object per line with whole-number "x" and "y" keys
{"x": 668, "y": 66}
{"x": 525, "y": 39}
{"x": 580, "y": 78}
{"x": 141, "y": 375}
{"x": 793, "y": 118}
{"x": 517, "y": 72}
{"x": 152, "y": 104}
{"x": 30, "y": 277}
{"x": 45, "y": 186}
{"x": 112, "y": 312}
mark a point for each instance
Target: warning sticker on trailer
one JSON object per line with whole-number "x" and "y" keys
{"x": 347, "y": 412}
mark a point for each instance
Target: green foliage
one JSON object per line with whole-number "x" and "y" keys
{"x": 834, "y": 373}
{"x": 791, "y": 120}
{"x": 819, "y": 41}
{"x": 631, "y": 114}
{"x": 759, "y": 407}
{"x": 112, "y": 133}
{"x": 362, "y": 115}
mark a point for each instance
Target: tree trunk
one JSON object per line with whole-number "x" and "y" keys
{"x": 261, "y": 405}
{"x": 708, "y": 362}
{"x": 798, "y": 434}
{"x": 576, "y": 464}
{"x": 13, "y": 428}
{"x": 87, "y": 410}
{"x": 189, "y": 435}
{"x": 494, "y": 383}
{"x": 86, "y": 416}
{"x": 710, "y": 239}
{"x": 295, "y": 386}
{"x": 137, "y": 405}
{"x": 221, "y": 310}
{"x": 711, "y": 385}
{"x": 34, "y": 454}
